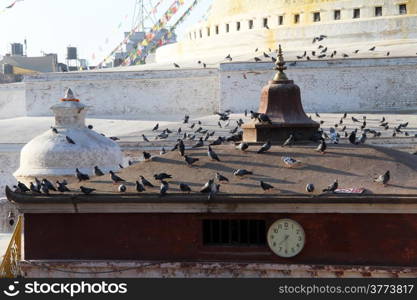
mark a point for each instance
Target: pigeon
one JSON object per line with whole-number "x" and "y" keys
{"x": 86, "y": 190}
{"x": 228, "y": 57}
{"x": 54, "y": 130}
{"x": 186, "y": 118}
{"x": 221, "y": 178}
{"x": 61, "y": 187}
{"x": 145, "y": 182}
{"x": 263, "y": 118}
{"x": 257, "y": 59}
{"x": 145, "y": 138}
{"x": 38, "y": 184}
{"x": 242, "y": 146}
{"x": 23, "y": 188}
{"x": 114, "y": 138}
{"x": 265, "y": 147}
{"x": 241, "y": 172}
{"x": 355, "y": 120}
{"x": 185, "y": 188}
{"x": 200, "y": 143}
{"x": 362, "y": 139}
{"x": 162, "y": 176}
{"x": 181, "y": 147}
{"x": 139, "y": 187}
{"x": 121, "y": 188}
{"x": 212, "y": 155}
{"x": 234, "y": 130}
{"x": 332, "y": 187}
{"x": 310, "y": 187}
{"x": 317, "y": 115}
{"x": 289, "y": 141}
{"x": 48, "y": 184}
{"x": 120, "y": 166}
{"x": 265, "y": 186}
{"x": 163, "y": 188}
{"x": 322, "y": 147}
{"x": 98, "y": 172}
{"x": 155, "y": 127}
{"x": 81, "y": 176}
{"x": 356, "y": 51}
{"x": 290, "y": 162}
{"x": 44, "y": 189}
{"x": 207, "y": 186}
{"x": 69, "y": 140}
{"x": 345, "y": 115}
{"x": 146, "y": 156}
{"x": 384, "y": 178}
{"x": 190, "y": 160}
{"x": 163, "y": 151}
{"x": 33, "y": 188}
{"x": 176, "y": 65}
{"x": 352, "y": 138}
{"x": 90, "y": 127}
{"x": 372, "y": 49}
{"x": 403, "y": 125}
{"x": 116, "y": 178}
{"x": 213, "y": 191}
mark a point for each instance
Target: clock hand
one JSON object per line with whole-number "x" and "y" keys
{"x": 285, "y": 238}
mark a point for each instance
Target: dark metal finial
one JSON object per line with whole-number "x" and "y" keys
{"x": 280, "y": 66}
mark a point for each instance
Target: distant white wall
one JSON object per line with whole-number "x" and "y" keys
{"x": 12, "y": 100}
{"x": 127, "y": 93}
{"x": 354, "y": 85}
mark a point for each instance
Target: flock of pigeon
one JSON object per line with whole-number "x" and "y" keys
{"x": 199, "y": 137}
{"x": 321, "y": 52}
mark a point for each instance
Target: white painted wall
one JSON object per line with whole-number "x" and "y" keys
{"x": 12, "y": 100}
{"x": 132, "y": 94}
{"x": 373, "y": 85}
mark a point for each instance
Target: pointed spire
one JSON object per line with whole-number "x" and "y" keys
{"x": 280, "y": 66}
{"x": 69, "y": 94}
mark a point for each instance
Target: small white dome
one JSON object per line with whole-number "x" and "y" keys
{"x": 51, "y": 154}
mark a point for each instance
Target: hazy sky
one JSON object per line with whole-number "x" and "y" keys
{"x": 51, "y": 25}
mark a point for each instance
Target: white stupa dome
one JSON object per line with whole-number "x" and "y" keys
{"x": 51, "y": 154}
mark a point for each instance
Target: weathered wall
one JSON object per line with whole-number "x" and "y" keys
{"x": 12, "y": 100}
{"x": 127, "y": 93}
{"x": 374, "y": 85}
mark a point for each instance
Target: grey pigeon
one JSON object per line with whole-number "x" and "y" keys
{"x": 155, "y": 127}
{"x": 190, "y": 160}
{"x": 265, "y": 147}
{"x": 384, "y": 178}
{"x": 48, "y": 184}
{"x": 33, "y": 188}
{"x": 38, "y": 184}
{"x": 310, "y": 187}
{"x": 45, "y": 189}
{"x": 352, "y": 138}
{"x": 116, "y": 178}
{"x": 242, "y": 146}
{"x": 242, "y": 172}
{"x": 121, "y": 188}
{"x": 145, "y": 138}
{"x": 163, "y": 188}
{"x": 69, "y": 140}
{"x": 146, "y": 156}
{"x": 362, "y": 139}
{"x": 163, "y": 151}
{"x": 185, "y": 188}
{"x": 98, "y": 172}
{"x": 54, "y": 130}
{"x": 186, "y": 118}
{"x": 263, "y": 118}
{"x": 145, "y": 182}
{"x": 213, "y": 191}
{"x": 81, "y": 176}
{"x": 207, "y": 186}
{"x": 266, "y": 186}
{"x": 181, "y": 147}
{"x": 23, "y": 187}
{"x": 61, "y": 187}
{"x": 332, "y": 187}
{"x": 221, "y": 178}
{"x": 322, "y": 147}
{"x": 162, "y": 176}
{"x": 139, "y": 187}
{"x": 86, "y": 190}
{"x": 200, "y": 143}
{"x": 212, "y": 155}
{"x": 355, "y": 120}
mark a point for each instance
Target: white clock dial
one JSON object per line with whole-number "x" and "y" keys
{"x": 286, "y": 238}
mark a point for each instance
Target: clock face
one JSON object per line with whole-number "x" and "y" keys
{"x": 286, "y": 238}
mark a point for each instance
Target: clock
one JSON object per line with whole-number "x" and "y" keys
{"x": 286, "y": 238}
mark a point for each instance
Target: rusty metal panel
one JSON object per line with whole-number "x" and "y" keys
{"x": 337, "y": 239}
